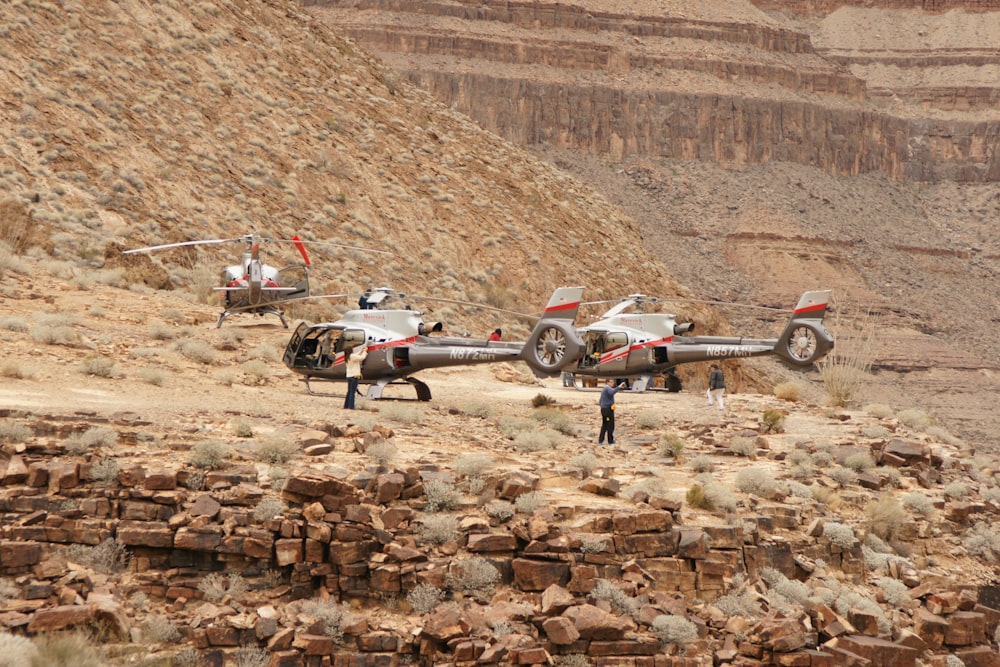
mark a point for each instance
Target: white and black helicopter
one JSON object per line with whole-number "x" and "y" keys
{"x": 400, "y": 345}
{"x": 642, "y": 346}
{"x": 252, "y": 286}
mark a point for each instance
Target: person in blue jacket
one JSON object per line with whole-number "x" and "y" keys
{"x": 607, "y": 403}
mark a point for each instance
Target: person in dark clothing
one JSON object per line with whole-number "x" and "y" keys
{"x": 495, "y": 335}
{"x": 363, "y": 300}
{"x": 716, "y": 387}
{"x": 607, "y": 403}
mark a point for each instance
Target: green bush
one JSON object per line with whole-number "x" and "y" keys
{"x": 671, "y": 444}
{"x": 772, "y": 421}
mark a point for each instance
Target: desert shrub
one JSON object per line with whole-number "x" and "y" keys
{"x": 743, "y": 446}
{"x": 479, "y": 409}
{"x": 843, "y": 476}
{"x": 695, "y": 497}
{"x": 476, "y": 576}
{"x": 701, "y": 463}
{"x": 891, "y": 475}
{"x": 162, "y": 331}
{"x": 848, "y": 600}
{"x": 439, "y": 528}
{"x": 275, "y": 448}
{"x": 757, "y": 481}
{"x": 241, "y": 427}
{"x": 593, "y": 545}
{"x": 15, "y": 432}
{"x": 93, "y": 437}
{"x": 473, "y": 464}
{"x": 789, "y": 391}
{"x": 772, "y": 421}
{"x": 382, "y": 454}
{"x": 952, "y": 660}
{"x": 11, "y": 368}
{"x": 558, "y": 420}
{"x": 500, "y": 510}
{"x": 251, "y": 656}
{"x": 67, "y": 649}
{"x": 846, "y": 368}
{"x": 539, "y": 440}
{"x": 541, "y": 400}
{"x": 527, "y": 503}
{"x": 511, "y": 425}
{"x": 105, "y": 471}
{"x": 159, "y": 630}
{"x": 879, "y": 411}
{"x": 786, "y": 593}
{"x": 175, "y": 315}
{"x": 441, "y": 495}
{"x": 501, "y": 629}
{"x": 226, "y": 377}
{"x": 918, "y": 503}
{"x": 15, "y": 324}
{"x": 268, "y": 508}
{"x": 154, "y": 376}
{"x": 402, "y": 413}
{"x": 424, "y": 598}
{"x": 875, "y": 432}
{"x": 16, "y": 651}
{"x": 139, "y": 601}
{"x": 673, "y": 629}
{"x": 619, "y": 600}
{"x": 331, "y": 615}
{"x": 572, "y": 660}
{"x": 839, "y": 534}
{"x": 983, "y": 541}
{"x": 941, "y": 434}
{"x": 586, "y": 463}
{"x": 648, "y": 419}
{"x": 914, "y": 418}
{"x": 98, "y": 366}
{"x": 859, "y": 462}
{"x": 742, "y": 603}
{"x": 108, "y": 557}
{"x": 214, "y": 587}
{"x": 885, "y": 516}
{"x": 671, "y": 444}
{"x": 47, "y": 334}
{"x": 956, "y": 490}
{"x": 209, "y": 455}
{"x": 895, "y": 592}
{"x": 196, "y": 350}
{"x": 255, "y": 372}
{"x": 8, "y": 590}
{"x": 799, "y": 490}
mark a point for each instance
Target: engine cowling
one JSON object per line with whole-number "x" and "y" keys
{"x": 551, "y": 347}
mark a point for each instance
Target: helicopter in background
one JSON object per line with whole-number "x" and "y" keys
{"x": 400, "y": 345}
{"x": 641, "y": 346}
{"x": 253, "y": 286}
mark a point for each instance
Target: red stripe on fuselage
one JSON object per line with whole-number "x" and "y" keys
{"x": 375, "y": 347}
{"x": 618, "y": 354}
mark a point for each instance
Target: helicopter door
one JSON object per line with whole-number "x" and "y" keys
{"x": 615, "y": 357}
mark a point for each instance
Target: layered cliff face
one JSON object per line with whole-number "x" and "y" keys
{"x": 762, "y": 149}
{"x": 734, "y": 87}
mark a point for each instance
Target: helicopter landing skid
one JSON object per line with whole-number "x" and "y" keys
{"x": 261, "y": 311}
{"x": 375, "y": 389}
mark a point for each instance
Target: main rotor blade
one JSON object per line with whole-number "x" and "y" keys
{"x": 710, "y": 302}
{"x": 473, "y": 305}
{"x": 329, "y": 243}
{"x": 182, "y": 243}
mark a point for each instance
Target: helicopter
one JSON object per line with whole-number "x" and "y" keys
{"x": 400, "y": 344}
{"x": 252, "y": 286}
{"x": 641, "y": 346}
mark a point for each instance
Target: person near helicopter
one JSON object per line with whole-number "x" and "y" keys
{"x": 355, "y": 358}
{"x": 495, "y": 335}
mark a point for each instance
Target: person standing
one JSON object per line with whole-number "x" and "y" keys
{"x": 355, "y": 358}
{"x": 607, "y": 403}
{"x": 716, "y": 387}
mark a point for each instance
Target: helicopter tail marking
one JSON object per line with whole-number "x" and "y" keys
{"x": 563, "y": 304}
{"x": 301, "y": 247}
{"x": 554, "y": 342}
{"x": 805, "y": 340}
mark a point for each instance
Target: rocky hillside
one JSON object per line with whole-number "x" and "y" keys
{"x": 761, "y": 152}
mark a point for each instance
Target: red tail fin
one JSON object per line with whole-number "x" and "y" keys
{"x": 302, "y": 249}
